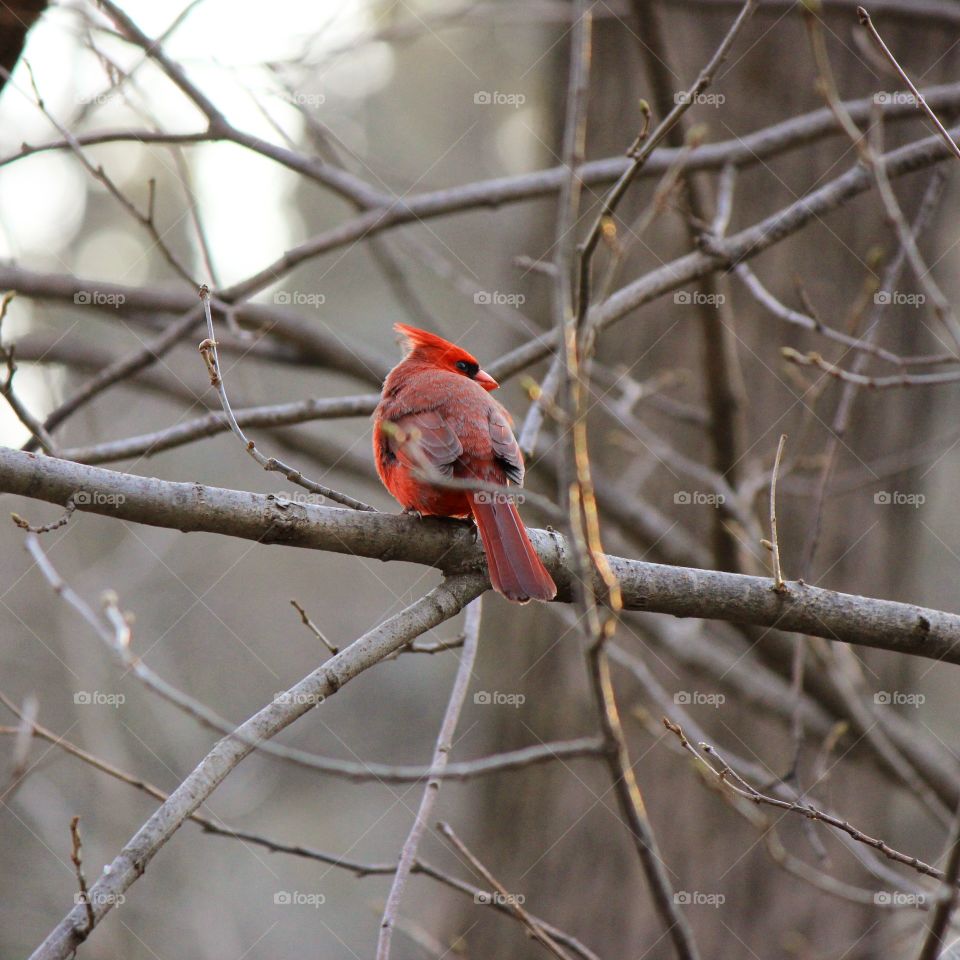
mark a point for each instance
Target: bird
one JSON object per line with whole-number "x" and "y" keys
{"x": 436, "y": 416}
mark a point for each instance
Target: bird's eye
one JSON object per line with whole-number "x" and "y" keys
{"x": 465, "y": 366}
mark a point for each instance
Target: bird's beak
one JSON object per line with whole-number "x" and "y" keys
{"x": 486, "y": 381}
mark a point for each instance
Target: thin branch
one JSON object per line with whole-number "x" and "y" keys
{"x": 892, "y": 382}
{"x": 213, "y": 424}
{"x": 665, "y": 703}
{"x": 20, "y": 760}
{"x": 871, "y": 153}
{"x": 441, "y": 755}
{"x": 36, "y": 428}
{"x": 726, "y": 775}
{"x": 865, "y": 21}
{"x": 512, "y": 901}
{"x": 814, "y": 325}
{"x": 208, "y": 349}
{"x": 122, "y": 368}
{"x": 933, "y": 944}
{"x": 634, "y": 810}
{"x": 778, "y": 581}
{"x": 77, "y": 860}
{"x": 313, "y": 628}
{"x": 336, "y": 179}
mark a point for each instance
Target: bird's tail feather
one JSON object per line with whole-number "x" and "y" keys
{"x": 515, "y": 569}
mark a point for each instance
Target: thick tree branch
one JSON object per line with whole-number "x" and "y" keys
{"x": 453, "y": 548}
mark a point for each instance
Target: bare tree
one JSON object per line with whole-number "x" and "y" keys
{"x": 703, "y": 245}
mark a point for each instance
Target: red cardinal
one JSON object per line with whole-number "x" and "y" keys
{"x": 436, "y": 413}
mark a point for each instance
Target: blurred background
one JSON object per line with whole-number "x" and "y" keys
{"x": 414, "y": 97}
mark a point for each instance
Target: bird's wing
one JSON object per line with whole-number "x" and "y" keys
{"x": 425, "y": 436}
{"x": 505, "y": 446}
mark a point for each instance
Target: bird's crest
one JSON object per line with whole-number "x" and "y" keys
{"x": 430, "y": 345}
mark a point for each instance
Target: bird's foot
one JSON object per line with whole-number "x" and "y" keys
{"x": 410, "y": 512}
{"x": 466, "y": 522}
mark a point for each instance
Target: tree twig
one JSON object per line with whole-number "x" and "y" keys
{"x": 726, "y": 775}
{"x": 77, "y": 860}
{"x": 208, "y": 349}
{"x": 441, "y": 755}
{"x": 512, "y": 901}
{"x": 778, "y": 582}
{"x": 866, "y": 21}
